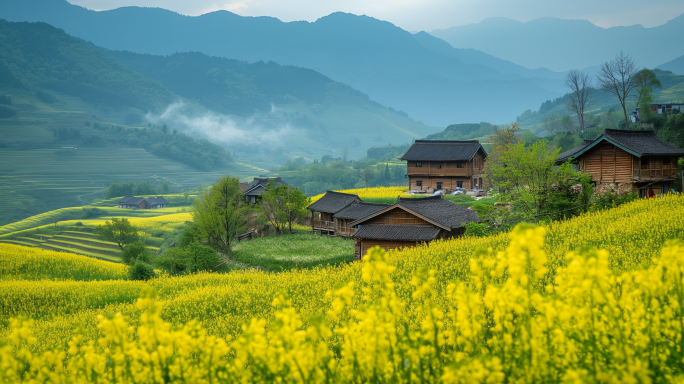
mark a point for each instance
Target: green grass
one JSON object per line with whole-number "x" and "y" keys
{"x": 301, "y": 250}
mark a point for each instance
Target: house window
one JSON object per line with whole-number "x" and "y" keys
{"x": 419, "y": 183}
{"x": 460, "y": 164}
{"x": 419, "y": 165}
{"x": 439, "y": 185}
{"x": 439, "y": 166}
{"x": 475, "y": 163}
{"x": 459, "y": 183}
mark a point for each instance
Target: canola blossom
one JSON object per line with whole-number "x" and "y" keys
{"x": 385, "y": 192}
{"x": 25, "y": 263}
{"x": 504, "y": 323}
{"x": 535, "y": 305}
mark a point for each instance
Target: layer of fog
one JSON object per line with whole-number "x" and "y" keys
{"x": 263, "y": 130}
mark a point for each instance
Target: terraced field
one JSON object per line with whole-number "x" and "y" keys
{"x": 75, "y": 241}
{"x": 86, "y": 171}
{"x": 68, "y": 216}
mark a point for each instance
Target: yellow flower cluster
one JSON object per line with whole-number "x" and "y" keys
{"x": 167, "y": 222}
{"x": 506, "y": 321}
{"x": 372, "y": 192}
{"x": 24, "y": 263}
{"x": 532, "y": 306}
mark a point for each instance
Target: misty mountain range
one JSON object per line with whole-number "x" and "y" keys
{"x": 391, "y": 65}
{"x": 420, "y": 74}
{"x": 562, "y": 45}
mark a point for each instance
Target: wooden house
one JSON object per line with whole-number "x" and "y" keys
{"x": 327, "y": 206}
{"x": 354, "y": 212}
{"x": 622, "y": 161}
{"x": 132, "y": 202}
{"x": 433, "y": 165}
{"x": 409, "y": 222}
{"x": 258, "y": 188}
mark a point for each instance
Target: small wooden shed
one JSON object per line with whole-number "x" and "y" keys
{"x": 327, "y": 206}
{"x": 356, "y": 211}
{"x": 409, "y": 222}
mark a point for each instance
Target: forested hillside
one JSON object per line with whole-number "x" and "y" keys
{"x": 555, "y": 113}
{"x": 37, "y": 55}
{"x": 237, "y": 87}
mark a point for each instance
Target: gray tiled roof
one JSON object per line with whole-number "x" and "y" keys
{"x": 397, "y": 232}
{"x": 641, "y": 143}
{"x": 157, "y": 200}
{"x": 256, "y": 191}
{"x": 439, "y": 210}
{"x": 442, "y": 150}
{"x": 264, "y": 180}
{"x": 570, "y": 153}
{"x": 132, "y": 200}
{"x": 645, "y": 143}
{"x": 332, "y": 202}
{"x": 360, "y": 210}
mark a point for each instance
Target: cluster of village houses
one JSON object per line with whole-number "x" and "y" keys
{"x": 619, "y": 160}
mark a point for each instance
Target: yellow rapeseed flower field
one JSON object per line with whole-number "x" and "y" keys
{"x": 167, "y": 222}
{"x": 597, "y": 298}
{"x": 372, "y": 192}
{"x": 24, "y": 263}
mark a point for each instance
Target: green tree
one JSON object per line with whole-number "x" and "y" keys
{"x": 645, "y": 81}
{"x": 141, "y": 271}
{"x": 296, "y": 204}
{"x": 502, "y": 139}
{"x": 218, "y": 214}
{"x": 529, "y": 178}
{"x": 201, "y": 258}
{"x": 274, "y": 206}
{"x": 120, "y": 231}
{"x": 135, "y": 251}
{"x": 673, "y": 131}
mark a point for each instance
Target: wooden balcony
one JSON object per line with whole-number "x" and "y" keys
{"x": 653, "y": 172}
{"x": 323, "y": 225}
{"x": 346, "y": 231}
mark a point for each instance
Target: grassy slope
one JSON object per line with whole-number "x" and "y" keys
{"x": 301, "y": 250}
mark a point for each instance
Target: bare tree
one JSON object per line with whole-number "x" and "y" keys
{"x": 367, "y": 173}
{"x": 580, "y": 90}
{"x": 617, "y": 77}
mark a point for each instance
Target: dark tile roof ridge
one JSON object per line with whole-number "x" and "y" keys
{"x": 631, "y": 132}
{"x": 342, "y": 193}
{"x": 435, "y": 197}
{"x": 403, "y": 225}
{"x": 447, "y": 142}
{"x": 572, "y": 151}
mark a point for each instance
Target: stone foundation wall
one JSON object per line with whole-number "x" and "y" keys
{"x": 619, "y": 188}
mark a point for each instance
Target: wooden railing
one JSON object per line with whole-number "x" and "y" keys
{"x": 346, "y": 231}
{"x": 324, "y": 224}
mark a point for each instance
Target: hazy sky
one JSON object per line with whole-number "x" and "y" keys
{"x": 416, "y": 15}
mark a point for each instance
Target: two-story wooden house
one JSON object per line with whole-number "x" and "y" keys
{"x": 444, "y": 165}
{"x": 622, "y": 161}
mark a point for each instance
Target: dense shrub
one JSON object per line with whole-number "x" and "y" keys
{"x": 141, "y": 271}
